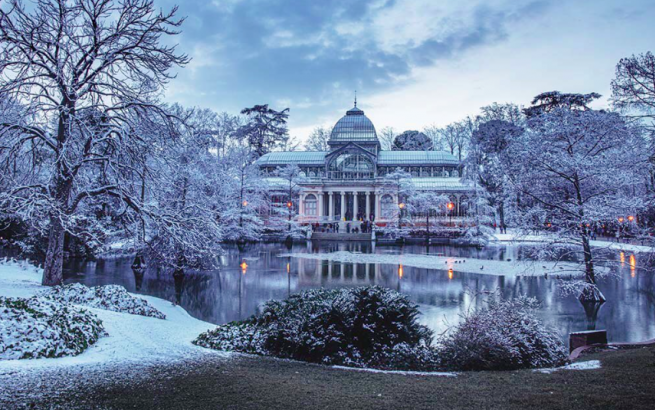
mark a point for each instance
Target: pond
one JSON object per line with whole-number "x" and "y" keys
{"x": 236, "y": 290}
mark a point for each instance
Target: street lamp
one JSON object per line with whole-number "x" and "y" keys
{"x": 400, "y": 214}
{"x": 450, "y": 207}
{"x": 631, "y": 218}
{"x": 244, "y": 203}
{"x": 289, "y": 205}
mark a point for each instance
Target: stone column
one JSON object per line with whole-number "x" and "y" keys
{"x": 343, "y": 204}
{"x": 368, "y": 205}
{"x": 458, "y": 197}
{"x": 378, "y": 207}
{"x": 354, "y": 206}
{"x": 319, "y": 212}
{"x": 330, "y": 206}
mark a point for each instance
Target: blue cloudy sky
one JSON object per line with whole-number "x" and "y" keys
{"x": 413, "y": 62}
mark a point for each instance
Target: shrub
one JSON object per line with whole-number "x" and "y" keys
{"x": 34, "y": 327}
{"x": 108, "y": 297}
{"x": 361, "y": 327}
{"x": 506, "y": 335}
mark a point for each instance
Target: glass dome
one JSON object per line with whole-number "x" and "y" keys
{"x": 353, "y": 127}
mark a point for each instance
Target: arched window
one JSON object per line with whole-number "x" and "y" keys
{"x": 351, "y": 165}
{"x": 310, "y": 205}
{"x": 455, "y": 174}
{"x": 387, "y": 207}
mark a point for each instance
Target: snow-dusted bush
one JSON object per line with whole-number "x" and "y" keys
{"x": 108, "y": 297}
{"x": 35, "y": 327}
{"x": 361, "y": 327}
{"x": 505, "y": 335}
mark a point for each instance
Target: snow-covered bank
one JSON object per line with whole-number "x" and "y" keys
{"x": 513, "y": 237}
{"x": 467, "y": 265}
{"x": 131, "y": 339}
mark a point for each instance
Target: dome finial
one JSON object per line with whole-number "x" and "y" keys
{"x": 355, "y": 98}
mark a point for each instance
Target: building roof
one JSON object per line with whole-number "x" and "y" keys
{"x": 386, "y": 158}
{"x": 355, "y": 127}
{"x": 292, "y": 157}
{"x": 440, "y": 184}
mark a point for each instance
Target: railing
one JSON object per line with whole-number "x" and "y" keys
{"x": 350, "y": 175}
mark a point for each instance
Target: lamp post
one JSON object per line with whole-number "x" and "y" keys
{"x": 401, "y": 206}
{"x": 289, "y": 205}
{"x": 450, "y": 207}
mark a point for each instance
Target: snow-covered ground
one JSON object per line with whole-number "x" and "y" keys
{"x": 588, "y": 365}
{"x": 398, "y": 372}
{"x": 457, "y": 264}
{"x": 514, "y": 237}
{"x": 131, "y": 339}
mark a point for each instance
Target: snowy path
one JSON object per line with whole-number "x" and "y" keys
{"x": 468, "y": 265}
{"x": 131, "y": 339}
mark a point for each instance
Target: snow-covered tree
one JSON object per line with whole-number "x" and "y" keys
{"x": 85, "y": 72}
{"x": 400, "y": 182}
{"x": 287, "y": 184}
{"x": 427, "y": 204}
{"x": 243, "y": 200}
{"x": 266, "y": 128}
{"x": 574, "y": 166}
{"x": 412, "y": 141}
{"x": 488, "y": 158}
{"x": 180, "y": 214}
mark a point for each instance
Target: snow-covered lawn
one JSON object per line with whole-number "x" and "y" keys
{"x": 457, "y": 264}
{"x": 131, "y": 339}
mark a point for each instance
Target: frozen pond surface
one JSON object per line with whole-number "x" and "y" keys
{"x": 229, "y": 293}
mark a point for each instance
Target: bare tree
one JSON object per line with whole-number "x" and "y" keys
{"x": 633, "y": 88}
{"x": 84, "y": 71}
{"x": 434, "y": 133}
{"x": 386, "y": 136}
{"x": 318, "y": 139}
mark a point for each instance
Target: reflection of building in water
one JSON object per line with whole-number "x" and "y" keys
{"x": 348, "y": 182}
{"x": 322, "y": 272}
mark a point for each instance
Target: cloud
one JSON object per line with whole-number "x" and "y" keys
{"x": 410, "y": 60}
{"x": 315, "y": 54}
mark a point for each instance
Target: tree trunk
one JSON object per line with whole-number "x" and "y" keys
{"x": 54, "y": 259}
{"x": 501, "y": 214}
{"x": 591, "y": 293}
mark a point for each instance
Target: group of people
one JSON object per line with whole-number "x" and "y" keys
{"x": 502, "y": 227}
{"x": 333, "y": 227}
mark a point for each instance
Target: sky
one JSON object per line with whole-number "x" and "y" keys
{"x": 413, "y": 63}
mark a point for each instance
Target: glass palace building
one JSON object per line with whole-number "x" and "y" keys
{"x": 348, "y": 183}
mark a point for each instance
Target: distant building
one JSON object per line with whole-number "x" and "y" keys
{"x": 348, "y": 182}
